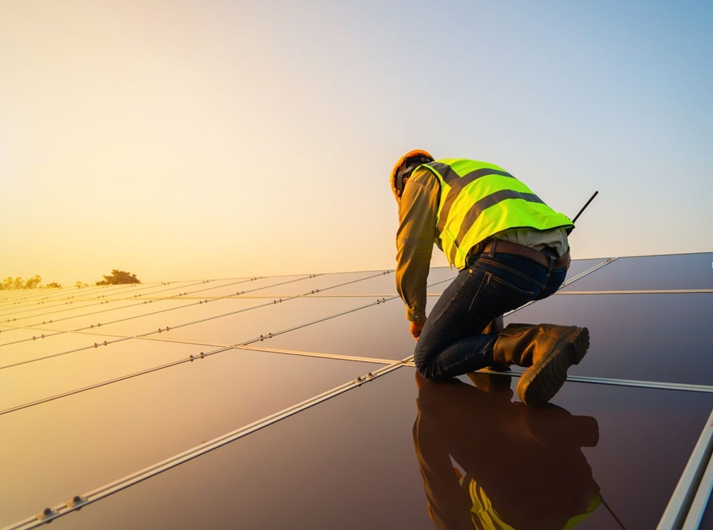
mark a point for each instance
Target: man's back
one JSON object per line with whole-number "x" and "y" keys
{"x": 444, "y": 202}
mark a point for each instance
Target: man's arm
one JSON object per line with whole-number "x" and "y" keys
{"x": 414, "y": 242}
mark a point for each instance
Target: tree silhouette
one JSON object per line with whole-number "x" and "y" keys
{"x": 118, "y": 277}
{"x": 33, "y": 282}
{"x": 11, "y": 283}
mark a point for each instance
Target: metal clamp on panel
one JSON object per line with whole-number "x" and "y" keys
{"x": 75, "y": 501}
{"x": 44, "y": 514}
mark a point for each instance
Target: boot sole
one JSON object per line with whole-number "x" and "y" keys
{"x": 540, "y": 383}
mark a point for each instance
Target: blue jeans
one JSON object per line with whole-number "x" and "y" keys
{"x": 491, "y": 284}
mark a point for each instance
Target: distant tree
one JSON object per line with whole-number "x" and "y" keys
{"x": 118, "y": 277}
{"x": 8, "y": 283}
{"x": 53, "y": 285}
{"x": 80, "y": 284}
{"x": 33, "y": 282}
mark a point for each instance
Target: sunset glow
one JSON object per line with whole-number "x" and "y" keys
{"x": 222, "y": 139}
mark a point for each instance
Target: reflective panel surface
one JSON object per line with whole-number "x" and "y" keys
{"x": 284, "y": 286}
{"x": 680, "y": 271}
{"x": 380, "y": 331}
{"x": 42, "y": 379}
{"x": 53, "y": 451}
{"x": 133, "y": 315}
{"x": 385, "y": 284}
{"x": 13, "y": 335}
{"x": 578, "y": 266}
{"x": 248, "y": 286}
{"x": 653, "y": 337}
{"x": 233, "y": 321}
{"x": 387, "y": 455}
{"x": 52, "y": 343}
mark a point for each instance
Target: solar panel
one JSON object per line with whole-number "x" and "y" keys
{"x": 290, "y": 401}
{"x": 654, "y": 337}
{"x": 377, "y": 330}
{"x": 384, "y": 284}
{"x": 678, "y": 271}
{"x": 360, "y": 459}
{"x": 87, "y": 439}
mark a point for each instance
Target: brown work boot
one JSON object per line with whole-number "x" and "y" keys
{"x": 547, "y": 350}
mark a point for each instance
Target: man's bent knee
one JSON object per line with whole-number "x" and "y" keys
{"x": 424, "y": 357}
{"x": 430, "y": 372}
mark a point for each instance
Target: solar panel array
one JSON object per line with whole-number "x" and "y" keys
{"x": 275, "y": 402}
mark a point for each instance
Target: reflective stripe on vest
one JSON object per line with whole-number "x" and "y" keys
{"x": 485, "y": 517}
{"x": 480, "y": 199}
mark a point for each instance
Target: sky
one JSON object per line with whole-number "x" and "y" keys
{"x": 216, "y": 139}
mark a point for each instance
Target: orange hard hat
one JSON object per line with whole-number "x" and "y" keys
{"x": 400, "y": 162}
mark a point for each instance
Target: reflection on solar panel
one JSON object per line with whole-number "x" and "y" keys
{"x": 290, "y": 401}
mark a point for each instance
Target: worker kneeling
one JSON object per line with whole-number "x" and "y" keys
{"x": 510, "y": 248}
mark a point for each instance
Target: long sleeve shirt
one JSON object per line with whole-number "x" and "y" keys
{"x": 416, "y": 236}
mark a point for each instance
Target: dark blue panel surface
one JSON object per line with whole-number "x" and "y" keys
{"x": 654, "y": 337}
{"x": 384, "y": 456}
{"x": 680, "y": 271}
{"x": 380, "y": 331}
{"x": 53, "y": 451}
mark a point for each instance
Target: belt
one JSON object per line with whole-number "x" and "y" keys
{"x": 506, "y": 247}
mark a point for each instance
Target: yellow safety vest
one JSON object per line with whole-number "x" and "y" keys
{"x": 485, "y": 517}
{"x": 478, "y": 200}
